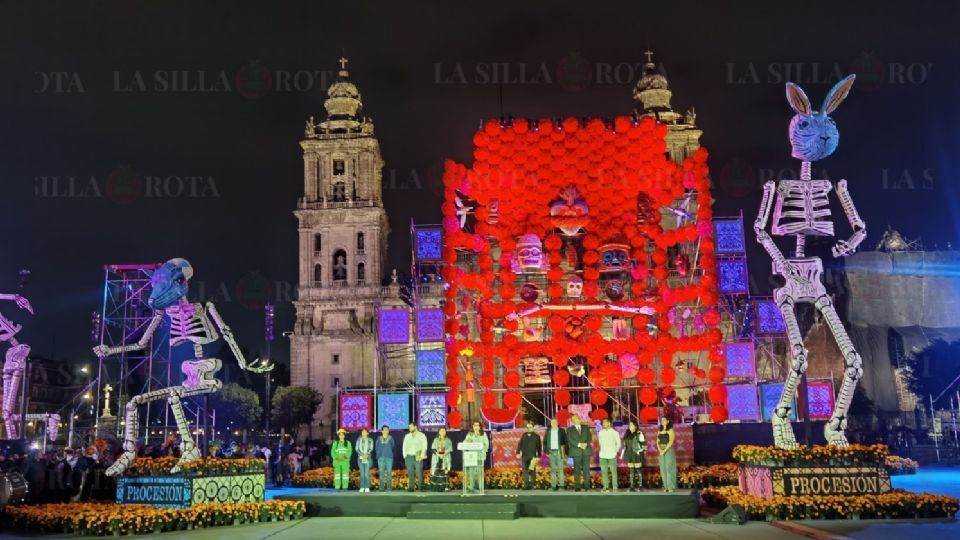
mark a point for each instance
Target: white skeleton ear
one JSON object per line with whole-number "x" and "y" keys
{"x": 837, "y": 94}
{"x": 797, "y": 99}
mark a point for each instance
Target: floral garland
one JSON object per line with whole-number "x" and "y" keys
{"x": 815, "y": 455}
{"x": 106, "y": 518}
{"x": 161, "y": 466}
{"x": 509, "y": 478}
{"x": 896, "y": 504}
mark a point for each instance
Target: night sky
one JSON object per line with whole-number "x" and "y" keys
{"x": 179, "y": 122}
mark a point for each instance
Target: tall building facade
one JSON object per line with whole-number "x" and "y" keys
{"x": 342, "y": 252}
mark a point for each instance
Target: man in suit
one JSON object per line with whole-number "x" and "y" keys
{"x": 578, "y": 442}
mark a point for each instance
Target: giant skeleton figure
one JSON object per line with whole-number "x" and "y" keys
{"x": 13, "y": 367}
{"x": 802, "y": 208}
{"x": 189, "y": 323}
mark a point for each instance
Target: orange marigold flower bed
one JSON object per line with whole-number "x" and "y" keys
{"x": 896, "y": 504}
{"x": 98, "y": 518}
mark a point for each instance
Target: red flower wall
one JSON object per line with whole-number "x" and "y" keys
{"x": 623, "y": 179}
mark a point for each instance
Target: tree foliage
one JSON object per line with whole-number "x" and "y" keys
{"x": 237, "y": 404}
{"x": 935, "y": 370}
{"x": 293, "y": 406}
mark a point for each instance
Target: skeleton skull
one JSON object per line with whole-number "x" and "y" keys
{"x": 529, "y": 252}
{"x": 574, "y": 287}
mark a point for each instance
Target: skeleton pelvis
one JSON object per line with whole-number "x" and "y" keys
{"x": 808, "y": 289}
{"x": 200, "y": 370}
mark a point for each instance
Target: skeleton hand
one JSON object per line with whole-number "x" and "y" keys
{"x": 102, "y": 351}
{"x": 647, "y": 310}
{"x": 257, "y": 366}
{"x": 23, "y": 303}
{"x": 842, "y": 249}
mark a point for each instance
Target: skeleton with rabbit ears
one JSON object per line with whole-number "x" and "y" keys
{"x": 191, "y": 323}
{"x": 801, "y": 208}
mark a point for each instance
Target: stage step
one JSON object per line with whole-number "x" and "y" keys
{"x": 501, "y": 511}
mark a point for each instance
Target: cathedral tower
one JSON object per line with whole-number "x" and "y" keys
{"x": 652, "y": 96}
{"x": 342, "y": 251}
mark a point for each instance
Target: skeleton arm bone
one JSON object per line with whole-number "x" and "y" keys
{"x": 848, "y": 247}
{"x": 105, "y": 350}
{"x": 228, "y": 337}
{"x": 764, "y": 239}
{"x": 22, "y": 302}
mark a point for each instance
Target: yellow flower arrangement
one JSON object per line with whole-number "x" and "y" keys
{"x": 893, "y": 504}
{"x": 100, "y": 518}
{"x": 771, "y": 455}
{"x": 161, "y": 466}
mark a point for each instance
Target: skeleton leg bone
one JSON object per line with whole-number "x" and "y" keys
{"x": 783, "y": 436}
{"x": 13, "y": 368}
{"x": 835, "y": 427}
{"x": 131, "y": 426}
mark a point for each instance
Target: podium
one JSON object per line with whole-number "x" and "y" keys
{"x": 473, "y": 457}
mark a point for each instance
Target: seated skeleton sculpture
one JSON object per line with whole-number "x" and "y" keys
{"x": 192, "y": 323}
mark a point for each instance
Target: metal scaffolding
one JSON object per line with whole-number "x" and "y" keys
{"x": 124, "y": 318}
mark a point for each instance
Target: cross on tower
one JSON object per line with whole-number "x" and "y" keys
{"x": 343, "y": 63}
{"x": 649, "y": 54}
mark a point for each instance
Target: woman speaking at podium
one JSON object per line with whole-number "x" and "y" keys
{"x": 474, "y": 446}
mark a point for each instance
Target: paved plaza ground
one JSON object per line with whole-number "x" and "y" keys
{"x": 934, "y": 480}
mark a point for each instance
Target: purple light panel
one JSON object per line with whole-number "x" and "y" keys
{"x": 429, "y": 325}
{"x": 742, "y": 402}
{"x": 733, "y": 276}
{"x": 428, "y": 244}
{"x": 394, "y": 326}
{"x": 741, "y": 361}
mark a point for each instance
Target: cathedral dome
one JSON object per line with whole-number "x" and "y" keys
{"x": 343, "y": 98}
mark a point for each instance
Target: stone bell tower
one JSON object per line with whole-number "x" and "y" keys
{"x": 653, "y": 96}
{"x": 342, "y": 250}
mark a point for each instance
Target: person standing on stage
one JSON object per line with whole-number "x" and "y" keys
{"x": 555, "y": 446}
{"x": 529, "y": 450}
{"x": 609, "y": 448}
{"x": 634, "y": 447}
{"x": 340, "y": 452}
{"x": 441, "y": 461}
{"x": 668, "y": 458}
{"x": 474, "y": 474}
{"x": 364, "y": 457}
{"x": 579, "y": 440}
{"x": 414, "y": 452}
{"x": 384, "y": 448}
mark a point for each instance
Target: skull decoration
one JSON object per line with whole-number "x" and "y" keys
{"x": 614, "y": 289}
{"x": 529, "y": 292}
{"x": 574, "y": 287}
{"x": 613, "y": 255}
{"x": 493, "y": 212}
{"x": 530, "y": 252}
{"x": 569, "y": 214}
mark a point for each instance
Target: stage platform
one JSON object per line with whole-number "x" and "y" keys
{"x": 500, "y": 504}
